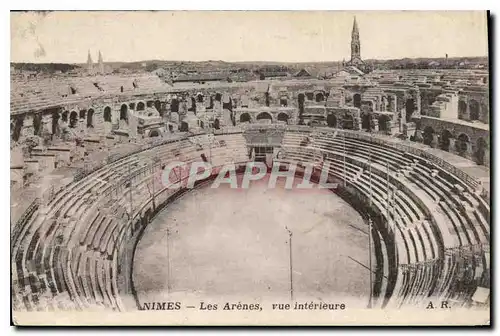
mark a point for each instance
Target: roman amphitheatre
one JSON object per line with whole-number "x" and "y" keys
{"x": 94, "y": 227}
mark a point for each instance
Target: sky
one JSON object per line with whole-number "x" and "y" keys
{"x": 284, "y": 36}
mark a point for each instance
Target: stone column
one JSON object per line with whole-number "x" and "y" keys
{"x": 374, "y": 123}
{"x": 27, "y": 129}
{"x": 452, "y": 148}
{"x": 435, "y": 141}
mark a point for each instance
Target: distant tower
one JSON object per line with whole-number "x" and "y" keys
{"x": 90, "y": 64}
{"x": 101, "y": 64}
{"x": 355, "y": 45}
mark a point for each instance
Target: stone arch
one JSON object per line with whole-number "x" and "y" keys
{"x": 320, "y": 96}
{"x": 331, "y": 120}
{"x": 124, "y": 112}
{"x": 347, "y": 121}
{"x": 174, "y": 105}
{"x": 481, "y": 147}
{"x": 462, "y": 108}
{"x": 474, "y": 110}
{"x": 356, "y": 100}
{"x": 444, "y": 140}
{"x": 37, "y": 123}
{"x": 140, "y": 106}
{"x": 365, "y": 121}
{"x": 154, "y": 133}
{"x": 217, "y": 123}
{"x": 264, "y": 115}
{"x": 90, "y": 118}
{"x": 73, "y": 119}
{"x": 462, "y": 143}
{"x": 18, "y": 126}
{"x": 284, "y": 101}
{"x": 409, "y": 108}
{"x": 157, "y": 105}
{"x": 382, "y": 123}
{"x": 107, "y": 114}
{"x": 283, "y": 117}
{"x": 245, "y": 117}
{"x": 428, "y": 135}
{"x": 183, "y": 126}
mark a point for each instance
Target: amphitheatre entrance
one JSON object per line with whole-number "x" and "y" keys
{"x": 222, "y": 244}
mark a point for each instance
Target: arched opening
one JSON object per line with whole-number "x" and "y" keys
{"x": 428, "y": 136}
{"x": 461, "y": 144}
{"x": 217, "y": 124}
{"x": 107, "y": 114}
{"x": 244, "y": 117}
{"x": 37, "y": 123}
{"x": 64, "y": 117}
{"x": 462, "y": 108}
{"x": 183, "y": 127}
{"x": 331, "y": 120}
{"x": 310, "y": 95}
{"x": 140, "y": 106}
{"x": 174, "y": 105}
{"x": 480, "y": 151}
{"x": 218, "y": 97}
{"x": 474, "y": 110}
{"x": 90, "y": 118}
{"x": 365, "y": 121}
{"x": 356, "y": 100}
{"x": 131, "y": 106}
{"x": 264, "y": 116}
{"x": 347, "y": 121}
{"x": 124, "y": 112}
{"x": 320, "y": 97}
{"x": 73, "y": 119}
{"x": 382, "y": 123}
{"x": 154, "y": 133}
{"x": 82, "y": 114}
{"x": 158, "y": 105}
{"x": 409, "y": 108}
{"x": 283, "y": 117}
{"x": 199, "y": 98}
{"x": 444, "y": 140}
{"x": 18, "y": 126}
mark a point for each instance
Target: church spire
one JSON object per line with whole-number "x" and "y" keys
{"x": 355, "y": 44}
{"x": 101, "y": 64}
{"x": 355, "y": 31}
{"x": 90, "y": 64}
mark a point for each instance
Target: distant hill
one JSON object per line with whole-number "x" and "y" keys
{"x": 45, "y": 67}
{"x": 218, "y": 65}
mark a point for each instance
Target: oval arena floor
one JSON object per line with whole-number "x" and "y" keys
{"x": 232, "y": 244}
